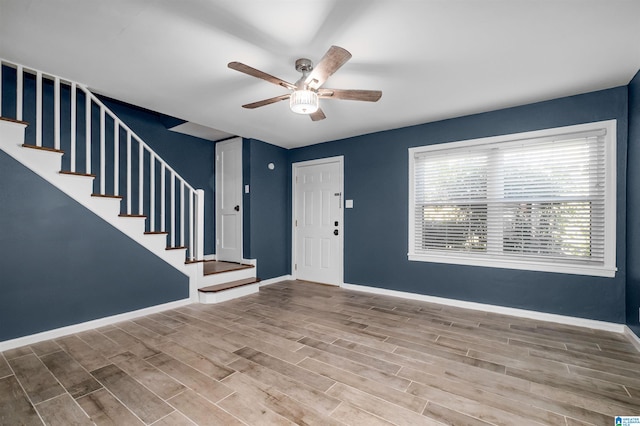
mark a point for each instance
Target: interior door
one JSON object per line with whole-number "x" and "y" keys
{"x": 317, "y": 221}
{"x": 229, "y": 200}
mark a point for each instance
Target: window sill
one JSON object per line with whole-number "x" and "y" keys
{"x": 562, "y": 268}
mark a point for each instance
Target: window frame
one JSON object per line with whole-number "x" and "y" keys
{"x": 608, "y": 269}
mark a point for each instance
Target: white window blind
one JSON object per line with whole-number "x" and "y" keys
{"x": 520, "y": 201}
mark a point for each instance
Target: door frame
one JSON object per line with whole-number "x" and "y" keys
{"x": 218, "y": 183}
{"x": 294, "y": 166}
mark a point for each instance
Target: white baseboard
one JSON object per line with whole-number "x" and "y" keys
{"x": 209, "y": 257}
{"x": 275, "y": 280}
{"x": 635, "y": 340}
{"x": 523, "y": 313}
{"x": 100, "y": 322}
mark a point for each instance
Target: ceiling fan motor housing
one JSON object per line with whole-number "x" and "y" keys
{"x": 304, "y": 65}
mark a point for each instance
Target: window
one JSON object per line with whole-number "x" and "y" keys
{"x": 542, "y": 201}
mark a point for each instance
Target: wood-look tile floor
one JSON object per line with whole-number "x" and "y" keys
{"x": 302, "y": 353}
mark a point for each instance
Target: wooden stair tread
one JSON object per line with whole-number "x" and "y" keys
{"x": 13, "y": 120}
{"x": 155, "y": 233}
{"x": 226, "y": 286}
{"x": 66, "y": 172}
{"x": 211, "y": 267}
{"x": 117, "y": 197}
{"x": 42, "y": 148}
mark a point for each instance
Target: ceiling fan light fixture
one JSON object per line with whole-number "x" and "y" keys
{"x": 303, "y": 101}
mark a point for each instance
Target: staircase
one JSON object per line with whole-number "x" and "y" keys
{"x": 113, "y": 173}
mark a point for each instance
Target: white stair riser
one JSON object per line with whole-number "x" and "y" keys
{"x": 40, "y": 161}
{"x": 13, "y": 132}
{"x": 76, "y": 184}
{"x": 108, "y": 207}
{"x": 132, "y": 224}
{"x": 225, "y": 295}
{"x": 158, "y": 239}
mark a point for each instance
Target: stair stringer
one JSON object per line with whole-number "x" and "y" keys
{"x": 48, "y": 164}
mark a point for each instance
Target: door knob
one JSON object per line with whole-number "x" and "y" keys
{"x": 335, "y": 232}
{"x": 237, "y": 208}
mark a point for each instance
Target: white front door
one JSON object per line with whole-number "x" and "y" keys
{"x": 229, "y": 200}
{"x": 317, "y": 221}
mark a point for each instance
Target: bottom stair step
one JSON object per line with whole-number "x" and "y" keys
{"x": 227, "y": 291}
{"x": 226, "y": 286}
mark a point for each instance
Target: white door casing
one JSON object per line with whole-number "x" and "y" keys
{"x": 318, "y": 217}
{"x": 229, "y": 200}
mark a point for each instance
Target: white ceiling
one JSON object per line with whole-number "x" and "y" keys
{"x": 432, "y": 59}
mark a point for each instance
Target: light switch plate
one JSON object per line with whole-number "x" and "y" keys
{"x": 348, "y": 204}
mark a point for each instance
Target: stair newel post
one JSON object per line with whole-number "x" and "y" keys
{"x": 199, "y": 231}
{"x": 140, "y": 177}
{"x": 19, "y": 92}
{"x": 38, "y": 108}
{"x": 73, "y": 127}
{"x": 152, "y": 192}
{"x": 163, "y": 197}
{"x": 56, "y": 113}
{"x": 103, "y": 177}
{"x": 173, "y": 209}
{"x": 192, "y": 218}
{"x": 182, "y": 226}
{"x": 0, "y": 88}
{"x": 87, "y": 137}
{"x": 128, "y": 172}
{"x": 116, "y": 157}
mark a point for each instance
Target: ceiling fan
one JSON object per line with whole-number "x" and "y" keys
{"x": 306, "y": 92}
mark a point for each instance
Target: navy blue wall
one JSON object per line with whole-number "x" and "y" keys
{"x": 191, "y": 157}
{"x": 376, "y": 178}
{"x": 633, "y": 207}
{"x": 268, "y": 235}
{"x": 63, "y": 265}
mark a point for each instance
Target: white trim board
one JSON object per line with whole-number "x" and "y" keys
{"x": 276, "y": 280}
{"x": 84, "y": 326}
{"x": 635, "y": 340}
{"x": 522, "y": 313}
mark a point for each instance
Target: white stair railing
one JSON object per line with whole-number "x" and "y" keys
{"x": 168, "y": 202}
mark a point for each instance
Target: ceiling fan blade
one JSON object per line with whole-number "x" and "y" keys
{"x": 318, "y": 115}
{"x": 351, "y": 95}
{"x": 266, "y": 102}
{"x": 238, "y": 66}
{"x": 330, "y": 63}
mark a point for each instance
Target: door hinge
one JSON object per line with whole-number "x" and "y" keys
{"x": 296, "y": 223}
{"x": 295, "y": 267}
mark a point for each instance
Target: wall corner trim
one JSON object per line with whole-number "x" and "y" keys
{"x": 84, "y": 326}
{"x": 633, "y": 338}
{"x": 522, "y": 313}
